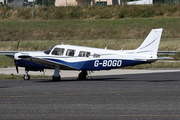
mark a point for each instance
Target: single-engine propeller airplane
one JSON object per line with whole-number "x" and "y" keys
{"x": 70, "y": 57}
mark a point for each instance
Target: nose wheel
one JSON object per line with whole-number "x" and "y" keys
{"x": 26, "y": 76}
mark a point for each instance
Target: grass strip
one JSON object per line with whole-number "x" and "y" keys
{"x": 20, "y": 30}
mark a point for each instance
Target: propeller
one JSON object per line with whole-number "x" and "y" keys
{"x": 15, "y": 60}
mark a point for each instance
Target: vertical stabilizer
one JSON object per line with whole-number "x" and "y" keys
{"x": 151, "y": 43}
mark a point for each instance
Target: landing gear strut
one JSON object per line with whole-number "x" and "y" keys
{"x": 56, "y": 76}
{"x": 26, "y": 76}
{"x": 82, "y": 75}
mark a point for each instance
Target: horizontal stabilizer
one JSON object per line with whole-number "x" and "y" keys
{"x": 165, "y": 58}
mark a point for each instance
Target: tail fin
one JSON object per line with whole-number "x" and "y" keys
{"x": 151, "y": 43}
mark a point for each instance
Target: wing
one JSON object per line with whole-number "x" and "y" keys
{"x": 48, "y": 62}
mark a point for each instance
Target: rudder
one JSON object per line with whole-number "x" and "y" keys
{"x": 151, "y": 43}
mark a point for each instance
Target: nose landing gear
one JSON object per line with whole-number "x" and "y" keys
{"x": 26, "y": 76}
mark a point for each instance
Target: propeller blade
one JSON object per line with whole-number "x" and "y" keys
{"x": 16, "y": 66}
{"x": 17, "y": 69}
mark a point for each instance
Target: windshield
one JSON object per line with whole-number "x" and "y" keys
{"x": 58, "y": 51}
{"x": 48, "y": 50}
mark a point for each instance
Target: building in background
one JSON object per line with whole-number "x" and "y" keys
{"x": 2, "y": 2}
{"x": 65, "y": 3}
{"x": 85, "y": 2}
{"x": 99, "y": 2}
{"x": 140, "y": 2}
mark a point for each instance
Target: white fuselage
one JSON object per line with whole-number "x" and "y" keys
{"x": 86, "y": 58}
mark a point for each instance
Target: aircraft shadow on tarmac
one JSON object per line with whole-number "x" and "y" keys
{"x": 88, "y": 79}
{"x": 120, "y": 78}
{"x": 3, "y": 87}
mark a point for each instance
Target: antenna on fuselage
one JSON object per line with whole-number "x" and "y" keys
{"x": 106, "y": 46}
{"x": 123, "y": 47}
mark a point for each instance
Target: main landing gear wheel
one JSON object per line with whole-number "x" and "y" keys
{"x": 82, "y": 75}
{"x": 26, "y": 77}
{"x": 56, "y": 78}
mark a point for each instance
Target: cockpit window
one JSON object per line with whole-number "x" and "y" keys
{"x": 70, "y": 52}
{"x": 58, "y": 51}
{"x": 48, "y": 50}
{"x": 84, "y": 54}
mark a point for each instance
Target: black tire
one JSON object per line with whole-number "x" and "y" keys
{"x": 81, "y": 76}
{"x": 56, "y": 78}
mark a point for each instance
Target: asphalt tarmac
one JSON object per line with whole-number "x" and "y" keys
{"x": 147, "y": 96}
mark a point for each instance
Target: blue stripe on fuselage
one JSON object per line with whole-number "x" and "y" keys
{"x": 98, "y": 64}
